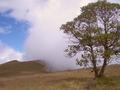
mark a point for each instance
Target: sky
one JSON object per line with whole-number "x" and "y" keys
{"x": 29, "y": 30}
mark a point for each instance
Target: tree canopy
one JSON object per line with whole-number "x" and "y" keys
{"x": 95, "y": 33}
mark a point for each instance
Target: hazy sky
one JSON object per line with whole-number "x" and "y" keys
{"x": 29, "y": 30}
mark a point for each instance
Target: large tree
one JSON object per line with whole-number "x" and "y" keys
{"x": 95, "y": 33}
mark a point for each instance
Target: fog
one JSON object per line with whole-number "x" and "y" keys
{"x": 44, "y": 40}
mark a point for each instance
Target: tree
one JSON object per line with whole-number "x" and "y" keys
{"x": 95, "y": 33}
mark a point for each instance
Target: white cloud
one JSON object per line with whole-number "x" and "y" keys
{"x": 8, "y": 54}
{"x": 4, "y": 31}
{"x": 45, "y": 41}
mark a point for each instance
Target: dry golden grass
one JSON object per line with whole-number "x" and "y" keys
{"x": 67, "y": 80}
{"x": 46, "y": 81}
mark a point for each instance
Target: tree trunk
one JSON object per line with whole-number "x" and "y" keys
{"x": 96, "y": 72}
{"x": 102, "y": 70}
{"x": 95, "y": 69}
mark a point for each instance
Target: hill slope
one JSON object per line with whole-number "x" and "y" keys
{"x": 68, "y": 80}
{"x": 17, "y": 68}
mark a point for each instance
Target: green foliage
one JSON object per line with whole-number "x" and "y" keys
{"x": 95, "y": 33}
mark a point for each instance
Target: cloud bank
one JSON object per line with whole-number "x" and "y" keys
{"x": 7, "y": 53}
{"x": 48, "y": 42}
{"x": 45, "y": 41}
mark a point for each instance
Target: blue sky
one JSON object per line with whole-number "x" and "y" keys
{"x": 30, "y": 30}
{"x": 16, "y": 31}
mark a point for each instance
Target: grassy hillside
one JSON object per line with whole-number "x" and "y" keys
{"x": 67, "y": 80}
{"x": 20, "y": 68}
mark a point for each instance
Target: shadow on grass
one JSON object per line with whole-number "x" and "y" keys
{"x": 104, "y": 83}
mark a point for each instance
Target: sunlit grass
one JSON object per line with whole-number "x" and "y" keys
{"x": 67, "y": 80}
